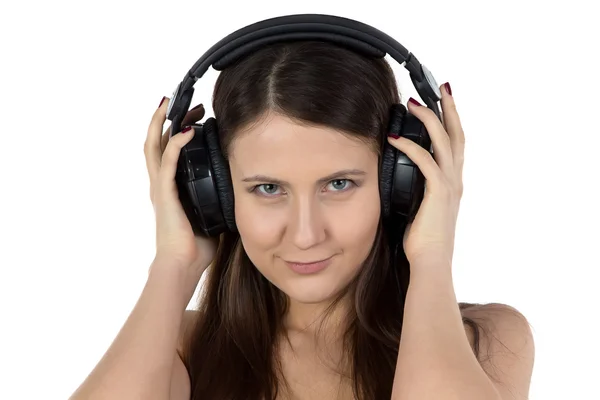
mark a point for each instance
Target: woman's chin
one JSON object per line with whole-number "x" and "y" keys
{"x": 311, "y": 292}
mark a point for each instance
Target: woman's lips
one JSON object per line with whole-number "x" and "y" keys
{"x": 308, "y": 268}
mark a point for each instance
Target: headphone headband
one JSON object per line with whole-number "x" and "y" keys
{"x": 349, "y": 33}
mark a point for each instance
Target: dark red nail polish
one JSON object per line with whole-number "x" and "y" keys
{"x": 393, "y": 135}
{"x": 415, "y": 102}
{"x": 187, "y": 129}
{"x": 198, "y": 106}
{"x": 162, "y": 101}
{"x": 448, "y": 88}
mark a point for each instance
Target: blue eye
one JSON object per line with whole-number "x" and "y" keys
{"x": 268, "y": 189}
{"x": 339, "y": 185}
{"x": 272, "y": 190}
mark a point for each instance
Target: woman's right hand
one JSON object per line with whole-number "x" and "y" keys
{"x": 176, "y": 243}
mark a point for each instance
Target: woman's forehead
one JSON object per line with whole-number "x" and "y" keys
{"x": 279, "y": 139}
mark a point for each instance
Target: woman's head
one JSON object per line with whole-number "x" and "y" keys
{"x": 301, "y": 125}
{"x": 291, "y": 117}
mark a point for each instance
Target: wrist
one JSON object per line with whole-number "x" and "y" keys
{"x": 170, "y": 263}
{"x": 430, "y": 262}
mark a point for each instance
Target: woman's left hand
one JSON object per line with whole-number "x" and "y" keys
{"x": 429, "y": 239}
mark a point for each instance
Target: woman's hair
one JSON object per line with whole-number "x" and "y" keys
{"x": 231, "y": 349}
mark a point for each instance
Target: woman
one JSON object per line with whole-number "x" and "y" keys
{"x": 304, "y": 302}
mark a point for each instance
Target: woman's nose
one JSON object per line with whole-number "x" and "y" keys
{"x": 307, "y": 225}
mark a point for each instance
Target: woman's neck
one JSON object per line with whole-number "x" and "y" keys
{"x": 315, "y": 318}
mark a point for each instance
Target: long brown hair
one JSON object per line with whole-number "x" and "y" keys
{"x": 230, "y": 352}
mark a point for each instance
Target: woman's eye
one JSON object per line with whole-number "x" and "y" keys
{"x": 272, "y": 190}
{"x": 267, "y": 189}
{"x": 340, "y": 184}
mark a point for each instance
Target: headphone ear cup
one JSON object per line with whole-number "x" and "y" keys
{"x": 408, "y": 182}
{"x": 197, "y": 188}
{"x": 222, "y": 175}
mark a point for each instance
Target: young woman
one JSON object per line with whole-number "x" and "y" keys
{"x": 304, "y": 302}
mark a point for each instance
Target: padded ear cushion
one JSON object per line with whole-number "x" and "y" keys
{"x": 222, "y": 174}
{"x": 386, "y": 176}
{"x": 388, "y": 158}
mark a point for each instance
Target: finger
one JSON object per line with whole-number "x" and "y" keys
{"x": 422, "y": 158}
{"x": 453, "y": 127}
{"x": 171, "y": 156}
{"x": 152, "y": 150}
{"x": 442, "y": 152}
{"x": 192, "y": 116}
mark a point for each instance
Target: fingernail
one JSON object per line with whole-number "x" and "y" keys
{"x": 448, "y": 88}
{"x": 393, "y": 135}
{"x": 415, "y": 102}
{"x": 187, "y": 129}
{"x": 198, "y": 106}
{"x": 162, "y": 101}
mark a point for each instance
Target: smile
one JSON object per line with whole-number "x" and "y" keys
{"x": 312, "y": 267}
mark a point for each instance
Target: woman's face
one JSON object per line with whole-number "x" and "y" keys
{"x": 303, "y": 195}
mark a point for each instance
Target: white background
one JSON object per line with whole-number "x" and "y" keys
{"x": 81, "y": 80}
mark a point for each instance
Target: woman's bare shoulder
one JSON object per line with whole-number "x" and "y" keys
{"x": 506, "y": 345}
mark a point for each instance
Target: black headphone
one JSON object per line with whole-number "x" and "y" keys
{"x": 203, "y": 178}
